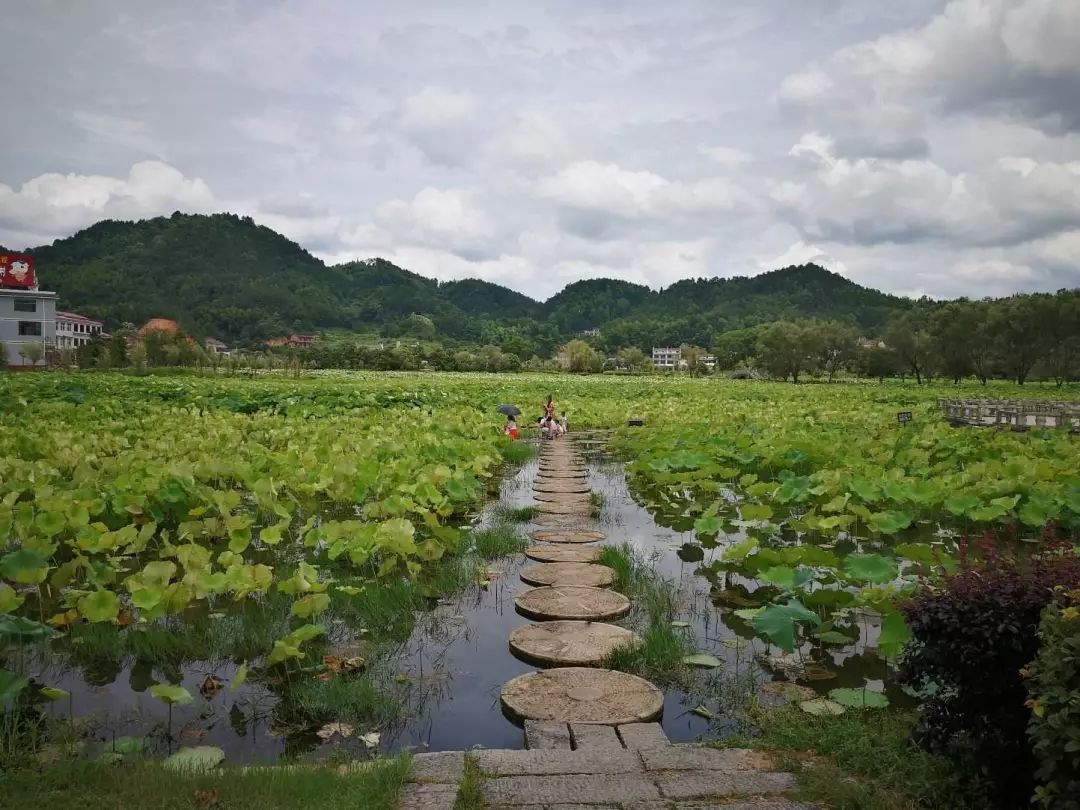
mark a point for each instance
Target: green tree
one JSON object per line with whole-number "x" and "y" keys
{"x": 1019, "y": 339}
{"x": 691, "y": 359}
{"x": 32, "y": 353}
{"x": 909, "y": 336}
{"x": 579, "y": 357}
{"x": 1062, "y": 336}
{"x": 633, "y": 358}
{"x": 787, "y": 348}
{"x": 835, "y": 344}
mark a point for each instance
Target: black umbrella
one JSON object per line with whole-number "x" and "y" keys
{"x": 509, "y": 410}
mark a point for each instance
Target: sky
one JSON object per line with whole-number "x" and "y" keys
{"x": 921, "y": 147}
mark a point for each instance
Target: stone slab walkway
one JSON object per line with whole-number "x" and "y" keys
{"x": 629, "y": 767}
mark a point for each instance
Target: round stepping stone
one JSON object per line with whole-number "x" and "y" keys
{"x": 567, "y": 535}
{"x": 565, "y": 508}
{"x": 582, "y": 695}
{"x": 572, "y": 602}
{"x": 563, "y": 486}
{"x": 554, "y": 554}
{"x": 568, "y": 644}
{"x": 568, "y": 573}
{"x": 564, "y": 522}
{"x": 562, "y": 497}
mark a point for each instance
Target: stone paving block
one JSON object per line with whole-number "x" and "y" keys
{"x": 428, "y": 797}
{"x": 497, "y": 762}
{"x": 641, "y": 735}
{"x": 446, "y": 767}
{"x": 695, "y": 758}
{"x": 516, "y": 791}
{"x": 594, "y": 738}
{"x": 702, "y": 784}
{"x": 760, "y": 804}
{"x": 540, "y": 735}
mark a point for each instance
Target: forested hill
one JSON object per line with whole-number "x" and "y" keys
{"x": 227, "y": 277}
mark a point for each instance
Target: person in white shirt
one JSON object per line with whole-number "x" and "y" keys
{"x": 563, "y": 423}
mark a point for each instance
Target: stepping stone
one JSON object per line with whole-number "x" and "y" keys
{"x": 588, "y": 575}
{"x": 594, "y": 738}
{"x": 562, "y": 486}
{"x": 561, "y": 522}
{"x": 564, "y": 508}
{"x": 582, "y": 695}
{"x": 560, "y": 475}
{"x": 568, "y": 644}
{"x": 564, "y": 553}
{"x": 540, "y": 736}
{"x": 567, "y": 534}
{"x": 572, "y": 602}
{"x": 643, "y": 735}
{"x": 562, "y": 497}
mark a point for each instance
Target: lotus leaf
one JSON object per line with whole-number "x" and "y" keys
{"x": 195, "y": 759}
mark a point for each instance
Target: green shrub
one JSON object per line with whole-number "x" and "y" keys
{"x": 1054, "y": 689}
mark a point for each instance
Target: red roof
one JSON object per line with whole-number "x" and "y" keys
{"x": 75, "y": 317}
{"x": 159, "y": 325}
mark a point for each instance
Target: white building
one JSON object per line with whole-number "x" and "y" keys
{"x": 666, "y": 358}
{"x": 215, "y": 346}
{"x": 709, "y": 361}
{"x": 74, "y": 330}
{"x": 26, "y": 316}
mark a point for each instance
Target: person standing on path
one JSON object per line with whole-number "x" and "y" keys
{"x": 549, "y": 408}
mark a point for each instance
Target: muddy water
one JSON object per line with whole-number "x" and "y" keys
{"x": 453, "y": 666}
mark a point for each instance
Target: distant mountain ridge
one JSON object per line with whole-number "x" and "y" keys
{"x": 225, "y": 276}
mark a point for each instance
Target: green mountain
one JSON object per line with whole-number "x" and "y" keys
{"x": 224, "y": 276}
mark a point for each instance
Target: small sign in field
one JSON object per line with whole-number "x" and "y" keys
{"x": 903, "y": 417}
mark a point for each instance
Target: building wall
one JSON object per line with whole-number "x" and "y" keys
{"x": 14, "y": 320}
{"x": 72, "y": 334}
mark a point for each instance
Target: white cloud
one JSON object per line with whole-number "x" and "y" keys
{"x": 957, "y": 61}
{"x": 609, "y": 190}
{"x": 53, "y": 205}
{"x": 449, "y": 219}
{"x": 872, "y": 201}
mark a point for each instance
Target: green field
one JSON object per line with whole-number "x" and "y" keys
{"x": 270, "y": 522}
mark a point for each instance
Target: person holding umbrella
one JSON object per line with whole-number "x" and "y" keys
{"x": 510, "y": 428}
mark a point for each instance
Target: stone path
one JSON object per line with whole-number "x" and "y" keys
{"x": 607, "y": 762}
{"x": 628, "y": 767}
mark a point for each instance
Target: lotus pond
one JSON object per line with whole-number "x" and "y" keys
{"x": 293, "y": 566}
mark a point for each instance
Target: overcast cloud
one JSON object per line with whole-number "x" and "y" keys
{"x": 921, "y": 147}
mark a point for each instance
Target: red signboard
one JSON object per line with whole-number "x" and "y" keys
{"x": 16, "y": 270}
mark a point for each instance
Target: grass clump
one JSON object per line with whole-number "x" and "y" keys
{"x": 597, "y": 505}
{"x": 362, "y": 699}
{"x": 517, "y": 452}
{"x": 79, "y": 784}
{"x": 498, "y": 540}
{"x": 515, "y": 514}
{"x": 658, "y": 655}
{"x": 861, "y": 759}
{"x": 468, "y": 795}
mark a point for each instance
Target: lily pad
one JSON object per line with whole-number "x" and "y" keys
{"x": 703, "y": 660}
{"x": 173, "y": 695}
{"x": 195, "y": 759}
{"x": 821, "y": 707}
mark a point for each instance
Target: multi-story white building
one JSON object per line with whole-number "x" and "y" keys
{"x": 666, "y": 358}
{"x": 74, "y": 330}
{"x": 26, "y": 316}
